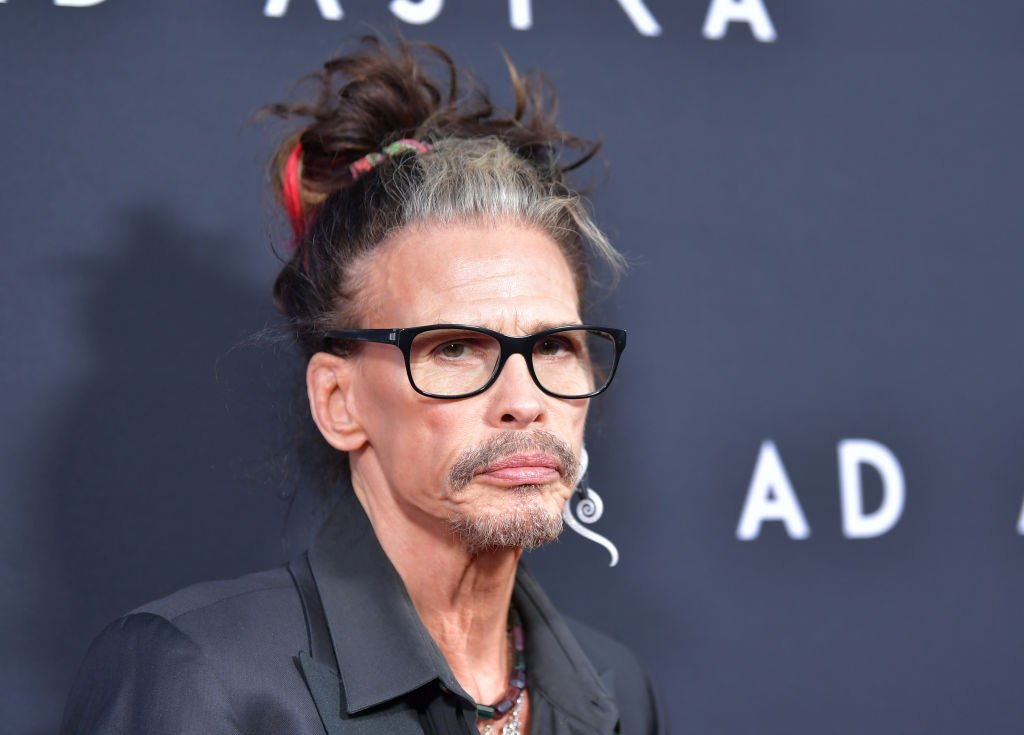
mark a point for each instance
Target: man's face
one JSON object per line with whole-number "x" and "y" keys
{"x": 497, "y": 467}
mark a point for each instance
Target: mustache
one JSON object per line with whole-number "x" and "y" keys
{"x": 476, "y": 459}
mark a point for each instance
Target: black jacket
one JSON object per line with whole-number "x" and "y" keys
{"x": 256, "y": 656}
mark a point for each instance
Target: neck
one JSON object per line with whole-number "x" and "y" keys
{"x": 463, "y": 599}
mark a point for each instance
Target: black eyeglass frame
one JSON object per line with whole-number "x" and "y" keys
{"x": 402, "y": 337}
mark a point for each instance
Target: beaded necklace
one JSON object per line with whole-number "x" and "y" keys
{"x": 513, "y": 699}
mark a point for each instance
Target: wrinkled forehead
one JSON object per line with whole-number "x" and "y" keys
{"x": 502, "y": 276}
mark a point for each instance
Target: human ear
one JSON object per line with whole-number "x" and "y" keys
{"x": 329, "y": 386}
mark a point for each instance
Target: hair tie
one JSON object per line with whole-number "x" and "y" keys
{"x": 370, "y": 161}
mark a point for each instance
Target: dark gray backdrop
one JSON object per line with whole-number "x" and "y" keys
{"x": 827, "y": 237}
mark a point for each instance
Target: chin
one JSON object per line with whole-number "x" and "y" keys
{"x": 525, "y": 520}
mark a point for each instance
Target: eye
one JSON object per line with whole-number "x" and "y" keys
{"x": 460, "y": 349}
{"x": 452, "y": 350}
{"x": 554, "y": 346}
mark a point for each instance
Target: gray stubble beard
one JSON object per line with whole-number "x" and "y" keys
{"x": 528, "y": 524}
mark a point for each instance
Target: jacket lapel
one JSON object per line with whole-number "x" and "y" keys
{"x": 560, "y": 670}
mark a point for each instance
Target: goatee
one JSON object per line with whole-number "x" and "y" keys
{"x": 529, "y": 522}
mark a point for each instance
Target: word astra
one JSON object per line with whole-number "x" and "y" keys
{"x": 520, "y": 12}
{"x": 771, "y": 496}
{"x": 721, "y": 13}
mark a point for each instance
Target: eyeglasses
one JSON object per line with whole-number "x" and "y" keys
{"x": 458, "y": 361}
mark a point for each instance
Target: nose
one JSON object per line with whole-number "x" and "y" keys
{"x": 516, "y": 401}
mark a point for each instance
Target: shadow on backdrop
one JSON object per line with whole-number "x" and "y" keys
{"x": 162, "y": 466}
{"x": 170, "y": 459}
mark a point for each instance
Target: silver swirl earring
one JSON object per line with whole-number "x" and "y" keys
{"x": 588, "y": 510}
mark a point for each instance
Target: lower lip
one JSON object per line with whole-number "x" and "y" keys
{"x": 527, "y": 475}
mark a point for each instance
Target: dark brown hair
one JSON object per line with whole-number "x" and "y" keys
{"x": 483, "y": 163}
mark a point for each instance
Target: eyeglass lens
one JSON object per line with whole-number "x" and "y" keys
{"x": 452, "y": 362}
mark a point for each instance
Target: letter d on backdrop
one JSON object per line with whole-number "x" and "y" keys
{"x": 856, "y": 523}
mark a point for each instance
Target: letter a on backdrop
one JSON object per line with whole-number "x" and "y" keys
{"x": 771, "y": 498}
{"x": 329, "y": 9}
{"x": 752, "y": 12}
{"x": 856, "y": 523}
{"x": 520, "y": 14}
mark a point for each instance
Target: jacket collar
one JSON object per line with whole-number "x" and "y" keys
{"x": 558, "y": 667}
{"x": 384, "y": 651}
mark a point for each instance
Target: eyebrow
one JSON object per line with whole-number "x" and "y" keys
{"x": 532, "y": 327}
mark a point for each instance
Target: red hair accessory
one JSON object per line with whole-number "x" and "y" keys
{"x": 290, "y": 192}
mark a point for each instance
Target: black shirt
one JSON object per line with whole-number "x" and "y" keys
{"x": 233, "y": 657}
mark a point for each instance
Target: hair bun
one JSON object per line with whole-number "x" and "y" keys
{"x": 380, "y": 94}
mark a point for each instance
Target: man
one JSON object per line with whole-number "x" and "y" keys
{"x": 460, "y": 397}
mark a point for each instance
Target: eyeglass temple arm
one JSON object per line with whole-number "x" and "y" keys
{"x": 384, "y": 336}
